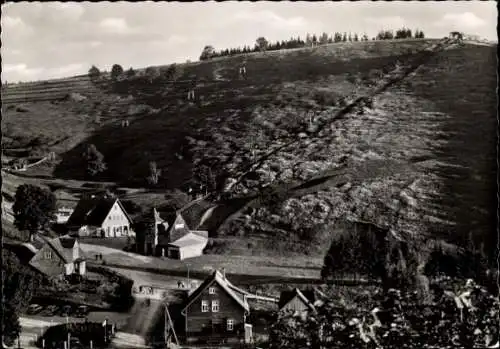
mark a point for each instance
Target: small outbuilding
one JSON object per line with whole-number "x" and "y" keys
{"x": 188, "y": 246}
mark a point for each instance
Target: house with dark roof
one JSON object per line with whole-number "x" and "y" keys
{"x": 299, "y": 302}
{"x": 216, "y": 312}
{"x": 100, "y": 216}
{"x": 59, "y": 258}
{"x": 170, "y": 237}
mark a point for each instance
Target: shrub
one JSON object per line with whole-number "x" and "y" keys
{"x": 400, "y": 322}
{"x": 94, "y": 72}
{"x": 95, "y": 161}
{"x": 116, "y": 71}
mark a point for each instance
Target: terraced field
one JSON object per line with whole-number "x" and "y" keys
{"x": 374, "y": 131}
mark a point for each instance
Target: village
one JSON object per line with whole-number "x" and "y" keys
{"x": 283, "y": 189}
{"x": 212, "y": 311}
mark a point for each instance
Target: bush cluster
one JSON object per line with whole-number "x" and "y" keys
{"x": 400, "y": 322}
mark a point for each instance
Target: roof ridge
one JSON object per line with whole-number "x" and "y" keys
{"x": 218, "y": 277}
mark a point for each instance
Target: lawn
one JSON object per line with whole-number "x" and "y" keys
{"x": 119, "y": 243}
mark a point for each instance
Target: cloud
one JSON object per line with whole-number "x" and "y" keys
{"x": 115, "y": 26}
{"x": 460, "y": 20}
{"x": 392, "y": 22}
{"x": 69, "y": 69}
{"x": 23, "y": 72}
{"x": 69, "y": 11}
{"x": 95, "y": 43}
{"x": 14, "y": 26}
{"x": 11, "y": 22}
{"x": 270, "y": 18}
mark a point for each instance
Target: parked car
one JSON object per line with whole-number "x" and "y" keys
{"x": 51, "y": 310}
{"x": 34, "y": 309}
{"x": 65, "y": 310}
{"x": 82, "y": 311}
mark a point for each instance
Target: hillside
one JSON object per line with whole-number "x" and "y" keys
{"x": 394, "y": 130}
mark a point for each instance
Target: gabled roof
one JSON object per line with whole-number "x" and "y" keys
{"x": 63, "y": 247}
{"x": 185, "y": 243}
{"x": 218, "y": 278}
{"x": 200, "y": 233}
{"x": 191, "y": 239}
{"x": 308, "y": 297}
{"x": 93, "y": 211}
{"x": 174, "y": 232}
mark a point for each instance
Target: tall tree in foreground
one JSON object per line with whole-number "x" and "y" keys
{"x": 18, "y": 285}
{"x": 34, "y": 208}
{"x": 95, "y": 161}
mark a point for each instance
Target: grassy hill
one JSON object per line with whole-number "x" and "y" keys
{"x": 404, "y": 128}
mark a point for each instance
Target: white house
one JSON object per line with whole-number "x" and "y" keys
{"x": 100, "y": 217}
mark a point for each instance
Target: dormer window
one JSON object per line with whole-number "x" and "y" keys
{"x": 48, "y": 255}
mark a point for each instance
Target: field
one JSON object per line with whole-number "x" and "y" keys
{"x": 392, "y": 132}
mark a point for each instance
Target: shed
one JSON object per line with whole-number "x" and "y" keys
{"x": 190, "y": 245}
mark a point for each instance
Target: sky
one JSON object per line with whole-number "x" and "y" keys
{"x": 43, "y": 40}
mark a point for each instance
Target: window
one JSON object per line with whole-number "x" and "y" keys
{"x": 204, "y": 306}
{"x": 230, "y": 324}
{"x": 179, "y": 226}
{"x": 215, "y": 306}
{"x": 211, "y": 290}
{"x": 48, "y": 254}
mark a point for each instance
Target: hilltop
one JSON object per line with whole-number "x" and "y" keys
{"x": 394, "y": 130}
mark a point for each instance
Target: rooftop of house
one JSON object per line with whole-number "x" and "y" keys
{"x": 220, "y": 279}
{"x": 63, "y": 247}
{"x": 185, "y": 243}
{"x": 92, "y": 210}
{"x": 306, "y": 296}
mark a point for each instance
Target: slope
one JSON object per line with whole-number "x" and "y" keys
{"x": 235, "y": 123}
